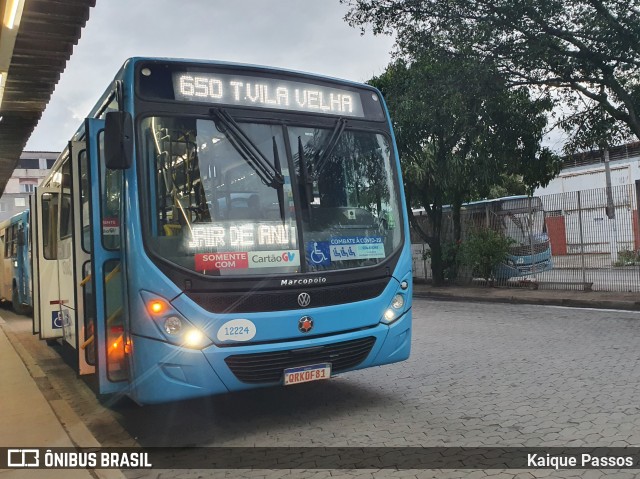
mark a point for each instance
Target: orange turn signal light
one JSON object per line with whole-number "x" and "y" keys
{"x": 156, "y": 306}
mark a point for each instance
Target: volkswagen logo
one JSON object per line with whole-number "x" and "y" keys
{"x": 304, "y": 300}
{"x": 305, "y": 324}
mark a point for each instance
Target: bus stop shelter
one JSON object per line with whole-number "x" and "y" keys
{"x": 36, "y": 40}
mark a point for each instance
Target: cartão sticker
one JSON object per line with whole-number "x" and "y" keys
{"x": 237, "y": 330}
{"x": 267, "y": 259}
{"x": 110, "y": 226}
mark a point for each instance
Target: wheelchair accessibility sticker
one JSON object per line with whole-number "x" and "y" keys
{"x": 318, "y": 253}
{"x": 56, "y": 320}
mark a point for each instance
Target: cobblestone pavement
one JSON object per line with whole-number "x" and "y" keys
{"x": 479, "y": 375}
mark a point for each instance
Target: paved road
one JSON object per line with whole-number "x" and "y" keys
{"x": 479, "y": 375}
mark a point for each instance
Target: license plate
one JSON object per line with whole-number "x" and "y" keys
{"x": 304, "y": 374}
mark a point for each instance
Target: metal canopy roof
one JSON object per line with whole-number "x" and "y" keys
{"x": 43, "y": 38}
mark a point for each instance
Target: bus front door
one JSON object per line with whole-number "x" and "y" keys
{"x": 80, "y": 288}
{"x": 47, "y": 317}
{"x": 104, "y": 304}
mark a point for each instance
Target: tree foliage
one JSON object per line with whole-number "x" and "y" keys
{"x": 461, "y": 131}
{"x": 484, "y": 251}
{"x": 586, "y": 51}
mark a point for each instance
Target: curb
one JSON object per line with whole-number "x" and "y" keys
{"x": 75, "y": 429}
{"x": 567, "y": 302}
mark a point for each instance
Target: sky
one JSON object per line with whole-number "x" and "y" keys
{"x": 305, "y": 35}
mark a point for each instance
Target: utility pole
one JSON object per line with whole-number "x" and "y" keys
{"x": 611, "y": 210}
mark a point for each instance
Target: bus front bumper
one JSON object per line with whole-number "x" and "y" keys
{"x": 165, "y": 372}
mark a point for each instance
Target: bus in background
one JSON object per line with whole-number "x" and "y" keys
{"x": 214, "y": 227}
{"x": 15, "y": 273}
{"x": 520, "y": 218}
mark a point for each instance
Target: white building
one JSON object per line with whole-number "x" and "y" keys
{"x": 32, "y": 167}
{"x": 586, "y": 171}
{"x": 582, "y": 216}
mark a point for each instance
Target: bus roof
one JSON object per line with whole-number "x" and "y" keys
{"x": 480, "y": 202}
{"x": 129, "y": 63}
{"x": 134, "y": 60}
{"x": 495, "y": 200}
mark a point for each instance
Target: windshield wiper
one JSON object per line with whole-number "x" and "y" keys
{"x": 280, "y": 188}
{"x": 327, "y": 149}
{"x": 306, "y": 183}
{"x": 267, "y": 172}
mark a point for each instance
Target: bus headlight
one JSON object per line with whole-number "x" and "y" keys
{"x": 173, "y": 325}
{"x": 389, "y": 315}
{"x": 395, "y": 309}
{"x": 189, "y": 337}
{"x": 175, "y": 328}
{"x": 194, "y": 338}
{"x": 397, "y": 302}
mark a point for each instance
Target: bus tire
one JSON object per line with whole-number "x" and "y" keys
{"x": 18, "y": 307}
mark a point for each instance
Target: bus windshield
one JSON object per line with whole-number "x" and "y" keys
{"x": 523, "y": 221}
{"x": 247, "y": 198}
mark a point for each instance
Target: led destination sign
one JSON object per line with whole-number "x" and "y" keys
{"x": 239, "y": 90}
{"x": 208, "y": 235}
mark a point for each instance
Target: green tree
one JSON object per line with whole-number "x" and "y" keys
{"x": 483, "y": 252}
{"x": 508, "y": 185}
{"x": 586, "y": 51}
{"x": 461, "y": 131}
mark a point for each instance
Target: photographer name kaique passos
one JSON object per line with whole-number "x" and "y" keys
{"x": 585, "y": 460}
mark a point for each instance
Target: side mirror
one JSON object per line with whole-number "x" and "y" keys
{"x": 118, "y": 140}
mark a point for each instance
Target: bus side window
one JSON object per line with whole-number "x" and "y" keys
{"x": 85, "y": 192}
{"x": 110, "y": 186}
{"x": 14, "y": 241}
{"x": 50, "y": 225}
{"x": 20, "y": 237}
{"x": 66, "y": 202}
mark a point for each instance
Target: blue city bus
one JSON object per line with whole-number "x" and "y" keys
{"x": 521, "y": 219}
{"x": 216, "y": 227}
{"x": 15, "y": 272}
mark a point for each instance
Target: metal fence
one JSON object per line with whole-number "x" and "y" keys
{"x": 594, "y": 237}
